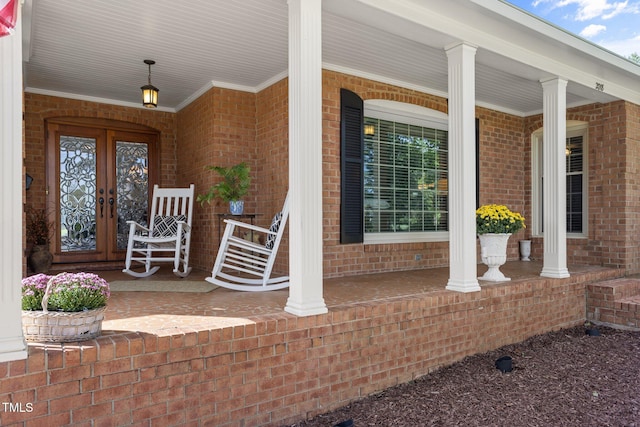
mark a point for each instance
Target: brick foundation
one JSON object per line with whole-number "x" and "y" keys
{"x": 278, "y": 369}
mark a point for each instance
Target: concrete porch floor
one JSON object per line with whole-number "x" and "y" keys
{"x": 168, "y": 313}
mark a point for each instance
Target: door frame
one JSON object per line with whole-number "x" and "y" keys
{"x": 106, "y": 130}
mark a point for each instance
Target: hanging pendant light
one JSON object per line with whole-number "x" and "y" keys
{"x": 149, "y": 91}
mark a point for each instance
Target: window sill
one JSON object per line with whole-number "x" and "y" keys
{"x": 381, "y": 238}
{"x": 569, "y": 236}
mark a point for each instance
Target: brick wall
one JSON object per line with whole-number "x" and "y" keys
{"x": 501, "y": 159}
{"x": 631, "y": 221}
{"x": 501, "y": 178}
{"x": 225, "y": 127}
{"x": 278, "y": 369}
{"x": 272, "y": 144}
{"x": 38, "y": 108}
{"x": 217, "y": 129}
{"x": 613, "y": 192}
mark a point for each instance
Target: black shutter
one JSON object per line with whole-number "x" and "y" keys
{"x": 477, "y": 163}
{"x": 352, "y": 168}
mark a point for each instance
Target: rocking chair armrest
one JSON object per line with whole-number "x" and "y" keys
{"x": 249, "y": 226}
{"x": 134, "y": 225}
{"x": 185, "y": 226}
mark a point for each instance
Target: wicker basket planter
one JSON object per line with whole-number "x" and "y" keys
{"x": 65, "y": 326}
{"x": 58, "y": 326}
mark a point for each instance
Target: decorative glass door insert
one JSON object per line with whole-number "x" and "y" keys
{"x": 100, "y": 179}
{"x": 132, "y": 187}
{"x": 78, "y": 190}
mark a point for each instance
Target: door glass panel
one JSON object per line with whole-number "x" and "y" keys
{"x": 132, "y": 181}
{"x": 77, "y": 193}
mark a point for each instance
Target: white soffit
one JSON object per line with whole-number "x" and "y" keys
{"x": 504, "y": 30}
{"x": 92, "y": 50}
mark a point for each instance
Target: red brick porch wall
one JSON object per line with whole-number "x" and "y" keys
{"x": 280, "y": 368}
{"x": 217, "y": 129}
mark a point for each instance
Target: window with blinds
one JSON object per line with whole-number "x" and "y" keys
{"x": 574, "y": 159}
{"x": 405, "y": 177}
{"x": 576, "y": 181}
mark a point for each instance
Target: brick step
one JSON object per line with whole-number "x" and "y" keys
{"x": 634, "y": 299}
{"x": 615, "y": 302}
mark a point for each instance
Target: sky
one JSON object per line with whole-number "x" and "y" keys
{"x": 614, "y": 25}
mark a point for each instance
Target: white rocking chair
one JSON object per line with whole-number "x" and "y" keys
{"x": 243, "y": 264}
{"x": 168, "y": 237}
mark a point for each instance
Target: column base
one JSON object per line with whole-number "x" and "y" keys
{"x": 555, "y": 273}
{"x": 306, "y": 309}
{"x": 463, "y": 286}
{"x": 13, "y": 349}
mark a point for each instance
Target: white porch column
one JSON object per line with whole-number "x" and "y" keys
{"x": 305, "y": 158}
{"x": 463, "y": 268}
{"x": 554, "y": 135}
{"x": 12, "y": 344}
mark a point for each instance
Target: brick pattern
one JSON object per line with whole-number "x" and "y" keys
{"x": 502, "y": 177}
{"x": 278, "y": 369}
{"x": 614, "y": 302}
{"x": 272, "y": 145}
{"x": 217, "y": 129}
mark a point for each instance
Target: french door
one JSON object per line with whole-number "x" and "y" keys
{"x": 97, "y": 180}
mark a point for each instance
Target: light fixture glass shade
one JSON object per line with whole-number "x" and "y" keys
{"x": 150, "y": 96}
{"x": 149, "y": 91}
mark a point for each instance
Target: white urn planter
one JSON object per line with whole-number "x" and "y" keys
{"x": 493, "y": 252}
{"x": 525, "y": 250}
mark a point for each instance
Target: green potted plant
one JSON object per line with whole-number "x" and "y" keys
{"x": 63, "y": 308}
{"x": 38, "y": 229}
{"x": 234, "y": 185}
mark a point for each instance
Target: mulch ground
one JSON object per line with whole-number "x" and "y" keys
{"x": 562, "y": 378}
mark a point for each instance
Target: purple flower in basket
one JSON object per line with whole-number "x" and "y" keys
{"x": 68, "y": 292}
{"x": 33, "y": 288}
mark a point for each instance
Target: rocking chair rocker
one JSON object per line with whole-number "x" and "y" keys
{"x": 168, "y": 237}
{"x": 243, "y": 264}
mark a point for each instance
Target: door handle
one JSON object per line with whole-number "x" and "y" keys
{"x": 111, "y": 202}
{"x": 101, "y": 201}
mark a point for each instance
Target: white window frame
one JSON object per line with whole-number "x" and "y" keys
{"x": 413, "y": 115}
{"x": 574, "y": 128}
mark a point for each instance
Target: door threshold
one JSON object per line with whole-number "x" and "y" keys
{"x": 86, "y": 266}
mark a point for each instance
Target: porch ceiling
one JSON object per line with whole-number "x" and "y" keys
{"x": 94, "y": 50}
